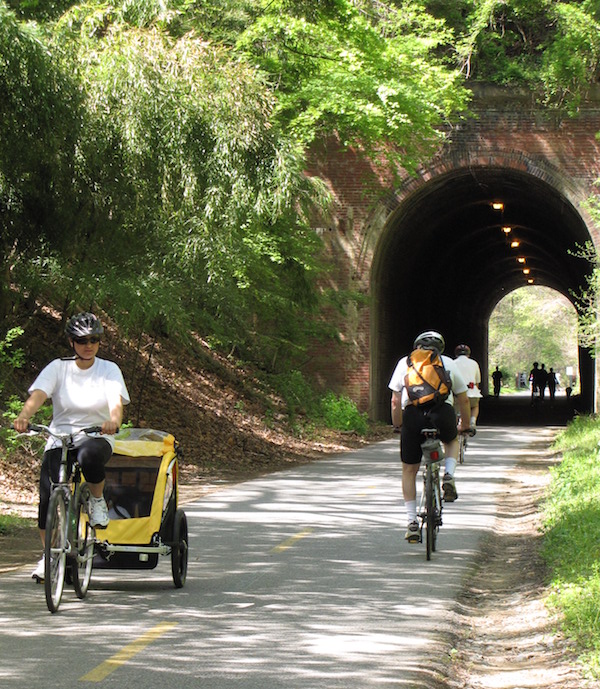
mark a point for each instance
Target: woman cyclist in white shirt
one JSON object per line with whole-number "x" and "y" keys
{"x": 85, "y": 391}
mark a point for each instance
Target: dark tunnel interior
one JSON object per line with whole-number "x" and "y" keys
{"x": 446, "y": 258}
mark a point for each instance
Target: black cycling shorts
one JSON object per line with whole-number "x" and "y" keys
{"x": 414, "y": 420}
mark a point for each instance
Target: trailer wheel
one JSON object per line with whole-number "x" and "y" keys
{"x": 179, "y": 550}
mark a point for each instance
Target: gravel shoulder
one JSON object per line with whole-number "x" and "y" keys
{"x": 507, "y": 638}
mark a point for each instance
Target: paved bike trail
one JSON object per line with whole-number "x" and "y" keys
{"x": 301, "y": 579}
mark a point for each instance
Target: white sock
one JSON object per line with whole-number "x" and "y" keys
{"x": 450, "y": 466}
{"x": 473, "y": 422}
{"x": 411, "y": 510}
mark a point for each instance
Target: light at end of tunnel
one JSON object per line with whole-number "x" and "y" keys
{"x": 521, "y": 259}
{"x": 497, "y": 205}
{"x": 506, "y": 229}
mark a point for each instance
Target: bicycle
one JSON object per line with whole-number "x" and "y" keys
{"x": 462, "y": 441}
{"x": 69, "y": 535}
{"x": 462, "y": 447}
{"x": 431, "y": 505}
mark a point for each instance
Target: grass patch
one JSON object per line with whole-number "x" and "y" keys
{"x": 571, "y": 514}
{"x": 11, "y": 523}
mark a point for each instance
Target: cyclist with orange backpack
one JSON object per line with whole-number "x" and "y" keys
{"x": 424, "y": 385}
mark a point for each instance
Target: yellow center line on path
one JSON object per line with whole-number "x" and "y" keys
{"x": 104, "y": 669}
{"x": 289, "y": 542}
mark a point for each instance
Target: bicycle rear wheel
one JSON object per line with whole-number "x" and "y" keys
{"x": 55, "y": 550}
{"x": 82, "y": 561}
{"x": 430, "y": 518}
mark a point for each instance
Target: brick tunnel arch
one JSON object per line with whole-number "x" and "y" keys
{"x": 442, "y": 260}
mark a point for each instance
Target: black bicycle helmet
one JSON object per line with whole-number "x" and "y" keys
{"x": 83, "y": 325}
{"x": 462, "y": 350}
{"x": 430, "y": 339}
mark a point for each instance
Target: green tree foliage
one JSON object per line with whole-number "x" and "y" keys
{"x": 588, "y": 299}
{"x": 549, "y": 46}
{"x": 365, "y": 70}
{"x": 153, "y": 150}
{"x": 177, "y": 195}
{"x": 39, "y": 126}
{"x": 188, "y": 205}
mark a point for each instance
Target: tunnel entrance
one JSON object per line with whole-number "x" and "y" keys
{"x": 447, "y": 255}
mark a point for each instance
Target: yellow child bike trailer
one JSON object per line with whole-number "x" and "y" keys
{"x": 141, "y": 491}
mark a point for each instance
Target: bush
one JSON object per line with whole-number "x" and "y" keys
{"x": 340, "y": 413}
{"x": 297, "y": 393}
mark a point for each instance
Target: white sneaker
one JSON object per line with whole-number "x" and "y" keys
{"x": 413, "y": 533}
{"x": 39, "y": 571}
{"x": 98, "y": 512}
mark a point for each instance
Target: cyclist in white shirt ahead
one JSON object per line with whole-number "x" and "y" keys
{"x": 85, "y": 391}
{"x": 410, "y": 420}
{"x": 471, "y": 373}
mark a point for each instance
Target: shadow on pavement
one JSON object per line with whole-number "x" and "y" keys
{"x": 517, "y": 410}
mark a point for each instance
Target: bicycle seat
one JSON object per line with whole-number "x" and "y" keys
{"x": 431, "y": 447}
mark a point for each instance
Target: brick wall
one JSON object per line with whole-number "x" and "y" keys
{"x": 508, "y": 132}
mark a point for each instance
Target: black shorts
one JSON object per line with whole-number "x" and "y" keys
{"x": 414, "y": 420}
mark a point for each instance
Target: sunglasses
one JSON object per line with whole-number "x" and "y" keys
{"x": 86, "y": 340}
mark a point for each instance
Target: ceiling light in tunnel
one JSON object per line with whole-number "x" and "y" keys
{"x": 515, "y": 244}
{"x": 521, "y": 259}
{"x": 497, "y": 205}
{"x": 526, "y": 271}
{"x": 530, "y": 281}
{"x": 507, "y": 230}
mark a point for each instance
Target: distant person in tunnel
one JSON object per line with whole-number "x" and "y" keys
{"x": 471, "y": 374}
{"x": 534, "y": 381}
{"x": 497, "y": 380}
{"x": 542, "y": 381}
{"x": 410, "y": 417}
{"x": 552, "y": 383}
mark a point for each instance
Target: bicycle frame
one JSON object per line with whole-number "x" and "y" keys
{"x": 68, "y": 535}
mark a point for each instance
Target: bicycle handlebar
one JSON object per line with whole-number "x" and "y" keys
{"x": 40, "y": 428}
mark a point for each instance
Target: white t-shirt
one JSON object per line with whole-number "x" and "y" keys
{"x": 81, "y": 398}
{"x": 469, "y": 369}
{"x": 397, "y": 380}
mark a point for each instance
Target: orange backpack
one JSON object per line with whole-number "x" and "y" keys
{"x": 427, "y": 382}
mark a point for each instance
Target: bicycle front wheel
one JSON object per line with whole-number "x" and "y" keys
{"x": 83, "y": 542}
{"x": 55, "y": 549}
{"x": 462, "y": 446}
{"x": 430, "y": 519}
